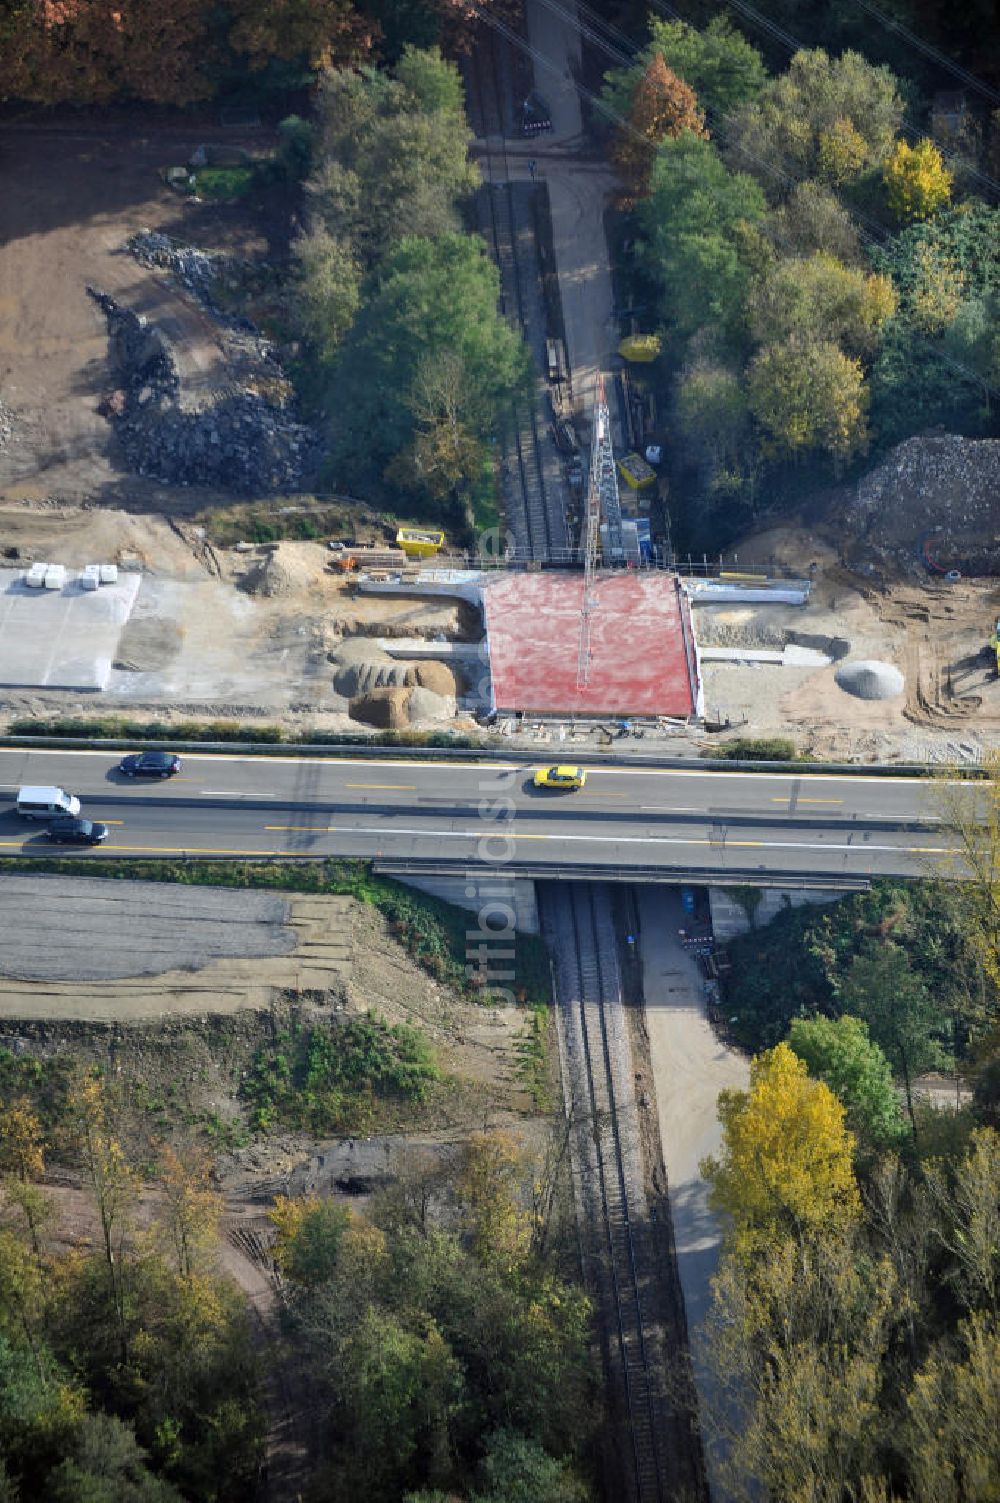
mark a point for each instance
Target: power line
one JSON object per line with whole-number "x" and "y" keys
{"x": 929, "y": 50}
{"x": 792, "y": 44}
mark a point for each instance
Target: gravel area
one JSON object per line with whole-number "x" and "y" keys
{"x": 83, "y": 929}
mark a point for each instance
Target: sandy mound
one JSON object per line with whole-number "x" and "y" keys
{"x": 385, "y": 709}
{"x": 426, "y": 705}
{"x": 437, "y": 677}
{"x": 286, "y": 569}
{"x": 363, "y": 667}
{"x": 870, "y": 680}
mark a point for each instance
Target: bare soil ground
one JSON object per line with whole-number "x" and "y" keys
{"x": 204, "y": 638}
{"x": 73, "y": 195}
{"x": 934, "y": 631}
{"x": 189, "y": 1034}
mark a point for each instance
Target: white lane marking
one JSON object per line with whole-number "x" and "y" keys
{"x": 235, "y": 793}
{"x": 673, "y": 809}
{"x": 860, "y": 849}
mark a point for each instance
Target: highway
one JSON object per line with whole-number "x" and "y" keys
{"x": 664, "y": 821}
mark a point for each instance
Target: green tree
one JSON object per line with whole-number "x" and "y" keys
{"x": 819, "y": 298}
{"x": 966, "y": 1197}
{"x": 785, "y": 1167}
{"x": 808, "y": 395}
{"x": 434, "y": 297}
{"x": 713, "y": 419}
{"x": 903, "y": 1018}
{"x": 952, "y": 1434}
{"x": 917, "y": 182}
{"x": 517, "y": 1470}
{"x": 796, "y": 1343}
{"x": 824, "y": 117}
{"x": 662, "y": 106}
{"x": 41, "y": 1409}
{"x": 432, "y": 83}
{"x": 716, "y": 61}
{"x": 840, "y": 1052}
{"x": 107, "y": 1466}
{"x": 812, "y": 219}
{"x": 392, "y": 155}
{"x": 692, "y": 227}
{"x": 327, "y": 290}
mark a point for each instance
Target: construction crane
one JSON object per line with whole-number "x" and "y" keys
{"x": 602, "y": 501}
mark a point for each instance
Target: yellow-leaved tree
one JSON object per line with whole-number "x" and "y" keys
{"x": 785, "y": 1167}
{"x": 917, "y": 182}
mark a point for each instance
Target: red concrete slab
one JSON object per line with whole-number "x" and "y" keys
{"x": 642, "y": 659}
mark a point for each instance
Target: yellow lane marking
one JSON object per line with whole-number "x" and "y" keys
{"x": 396, "y": 787}
{"x": 788, "y": 798}
{"x": 325, "y": 828}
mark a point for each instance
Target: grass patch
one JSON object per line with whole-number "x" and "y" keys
{"x": 220, "y": 183}
{"x": 532, "y": 1050}
{"x": 325, "y": 1078}
{"x": 758, "y": 749}
{"x": 432, "y": 931}
{"x": 114, "y": 728}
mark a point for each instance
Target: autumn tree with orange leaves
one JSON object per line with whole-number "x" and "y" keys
{"x": 174, "y": 52}
{"x": 663, "y": 106}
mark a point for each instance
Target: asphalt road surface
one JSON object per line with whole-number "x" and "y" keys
{"x": 733, "y": 825}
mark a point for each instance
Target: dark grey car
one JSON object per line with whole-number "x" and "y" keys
{"x": 150, "y": 764}
{"x": 67, "y": 831}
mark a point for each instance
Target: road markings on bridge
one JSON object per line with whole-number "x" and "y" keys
{"x": 787, "y": 800}
{"x": 236, "y": 793}
{"x": 325, "y": 829}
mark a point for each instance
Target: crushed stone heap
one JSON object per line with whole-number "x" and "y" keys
{"x": 870, "y": 679}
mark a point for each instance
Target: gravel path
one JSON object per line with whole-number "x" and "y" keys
{"x": 83, "y": 929}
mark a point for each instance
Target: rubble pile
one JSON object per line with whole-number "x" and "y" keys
{"x": 930, "y": 506}
{"x": 240, "y": 437}
{"x": 6, "y": 425}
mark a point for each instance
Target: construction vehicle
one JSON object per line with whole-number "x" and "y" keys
{"x": 995, "y": 644}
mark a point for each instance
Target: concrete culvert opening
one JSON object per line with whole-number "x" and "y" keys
{"x": 870, "y": 679}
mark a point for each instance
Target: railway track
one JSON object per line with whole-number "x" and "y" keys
{"x": 607, "y": 1167}
{"x": 538, "y": 524}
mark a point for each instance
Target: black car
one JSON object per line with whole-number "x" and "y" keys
{"x": 150, "y": 764}
{"x": 69, "y": 831}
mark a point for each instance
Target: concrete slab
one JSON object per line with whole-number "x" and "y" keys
{"x": 642, "y": 654}
{"x": 61, "y": 639}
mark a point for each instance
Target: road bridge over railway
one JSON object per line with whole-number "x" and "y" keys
{"x": 649, "y": 823}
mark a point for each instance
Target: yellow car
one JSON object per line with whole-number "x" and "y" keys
{"x": 567, "y": 778}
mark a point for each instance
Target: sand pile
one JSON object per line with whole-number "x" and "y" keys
{"x": 362, "y": 667}
{"x": 870, "y": 679}
{"x": 385, "y": 709}
{"x": 437, "y": 677}
{"x": 424, "y": 704}
{"x": 286, "y": 569}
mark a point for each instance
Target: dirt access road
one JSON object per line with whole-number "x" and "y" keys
{"x": 74, "y": 193}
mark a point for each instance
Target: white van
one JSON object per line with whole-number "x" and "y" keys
{"x": 45, "y": 803}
